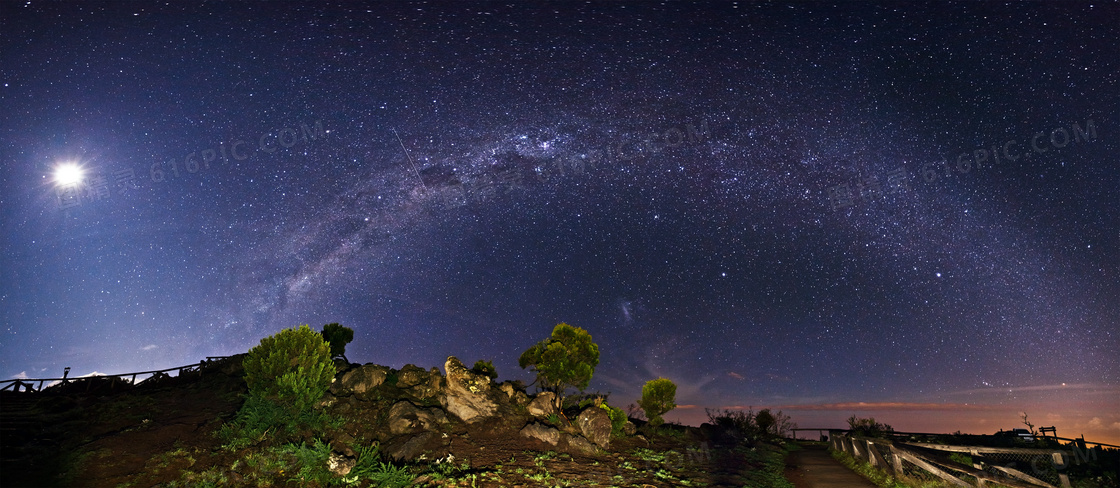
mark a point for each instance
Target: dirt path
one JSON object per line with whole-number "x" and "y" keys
{"x": 813, "y": 467}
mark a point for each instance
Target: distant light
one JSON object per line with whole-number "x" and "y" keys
{"x": 68, "y": 174}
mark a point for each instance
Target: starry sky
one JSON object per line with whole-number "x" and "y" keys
{"x": 882, "y": 209}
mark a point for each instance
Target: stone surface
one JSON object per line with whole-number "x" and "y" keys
{"x": 411, "y": 375}
{"x": 467, "y": 395}
{"x": 579, "y": 444}
{"x": 543, "y": 405}
{"x": 542, "y": 433}
{"x": 361, "y": 379}
{"x": 406, "y": 418}
{"x": 629, "y": 428}
{"x": 411, "y": 447}
{"x": 340, "y": 465}
{"x": 595, "y": 424}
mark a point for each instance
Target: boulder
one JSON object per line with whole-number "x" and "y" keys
{"x": 340, "y": 464}
{"x": 361, "y": 379}
{"x": 467, "y": 395}
{"x": 629, "y": 428}
{"x": 543, "y": 405}
{"x": 411, "y": 375}
{"x": 579, "y": 444}
{"x": 410, "y": 448}
{"x": 595, "y": 424}
{"x": 406, "y": 418}
{"x": 542, "y": 433}
{"x": 430, "y": 386}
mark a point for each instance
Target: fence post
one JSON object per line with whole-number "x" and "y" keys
{"x": 896, "y": 459}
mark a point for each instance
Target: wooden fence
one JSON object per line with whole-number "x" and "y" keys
{"x": 35, "y": 385}
{"x": 899, "y": 457}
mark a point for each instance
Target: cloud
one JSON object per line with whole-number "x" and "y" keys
{"x": 21, "y": 376}
{"x": 1115, "y": 426}
{"x": 148, "y": 347}
{"x": 735, "y": 375}
{"x": 1096, "y": 423}
{"x": 886, "y": 406}
{"x": 1019, "y": 389}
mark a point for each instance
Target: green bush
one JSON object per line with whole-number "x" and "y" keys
{"x": 338, "y": 337}
{"x": 292, "y": 368}
{"x": 618, "y": 419}
{"x": 566, "y": 359}
{"x": 485, "y": 368}
{"x": 658, "y": 397}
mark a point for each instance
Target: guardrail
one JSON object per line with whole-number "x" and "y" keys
{"x": 937, "y": 459}
{"x": 28, "y": 385}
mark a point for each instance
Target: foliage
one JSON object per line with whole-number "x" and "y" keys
{"x": 338, "y": 337}
{"x": 658, "y": 397}
{"x": 868, "y": 427}
{"x": 566, "y": 359}
{"x": 292, "y": 368}
{"x": 618, "y": 419}
{"x": 485, "y": 368}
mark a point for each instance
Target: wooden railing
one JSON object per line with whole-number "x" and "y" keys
{"x": 29, "y": 384}
{"x": 894, "y": 456}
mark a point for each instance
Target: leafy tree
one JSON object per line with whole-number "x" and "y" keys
{"x": 658, "y": 397}
{"x": 338, "y": 337}
{"x": 292, "y": 368}
{"x": 485, "y": 368}
{"x": 566, "y": 359}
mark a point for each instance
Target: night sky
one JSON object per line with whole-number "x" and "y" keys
{"x": 799, "y": 205}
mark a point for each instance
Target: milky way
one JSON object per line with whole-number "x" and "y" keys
{"x": 795, "y": 205}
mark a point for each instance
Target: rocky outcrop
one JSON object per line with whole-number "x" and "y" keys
{"x": 360, "y": 380}
{"x": 543, "y": 405}
{"x": 467, "y": 395}
{"x": 515, "y": 396}
{"x": 542, "y": 433}
{"x": 595, "y": 424}
{"x": 406, "y": 418}
{"x": 419, "y": 382}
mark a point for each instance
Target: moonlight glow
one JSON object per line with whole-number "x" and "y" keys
{"x": 68, "y": 174}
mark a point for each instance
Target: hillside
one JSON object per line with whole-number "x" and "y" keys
{"x": 385, "y": 427}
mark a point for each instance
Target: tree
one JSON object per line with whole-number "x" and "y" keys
{"x": 658, "y": 397}
{"x": 566, "y": 359}
{"x": 292, "y": 368}
{"x": 338, "y": 337}
{"x": 485, "y": 368}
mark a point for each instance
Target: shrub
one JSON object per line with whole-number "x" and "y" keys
{"x": 338, "y": 337}
{"x": 868, "y": 427}
{"x": 658, "y": 397}
{"x": 566, "y": 359}
{"x": 292, "y": 368}
{"x": 618, "y": 419}
{"x": 485, "y": 368}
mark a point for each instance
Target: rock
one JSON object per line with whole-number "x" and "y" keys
{"x": 409, "y": 449}
{"x": 577, "y": 443}
{"x": 541, "y": 433}
{"x": 430, "y": 386}
{"x": 629, "y": 428}
{"x": 595, "y": 424}
{"x": 543, "y": 405}
{"x": 340, "y": 365}
{"x": 340, "y": 465}
{"x": 411, "y": 375}
{"x": 406, "y": 418}
{"x": 467, "y": 395}
{"x": 361, "y": 379}
{"x": 507, "y": 388}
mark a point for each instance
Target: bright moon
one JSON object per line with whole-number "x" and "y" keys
{"x": 68, "y": 174}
